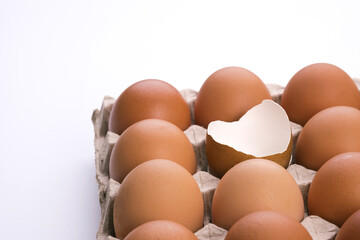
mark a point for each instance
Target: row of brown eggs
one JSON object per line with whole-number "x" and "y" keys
{"x": 230, "y": 92}
{"x": 226, "y": 95}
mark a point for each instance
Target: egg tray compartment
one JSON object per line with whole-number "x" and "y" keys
{"x": 104, "y": 141}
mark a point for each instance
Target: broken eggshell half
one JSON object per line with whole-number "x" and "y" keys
{"x": 262, "y": 132}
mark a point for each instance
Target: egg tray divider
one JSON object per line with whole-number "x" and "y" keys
{"x": 104, "y": 141}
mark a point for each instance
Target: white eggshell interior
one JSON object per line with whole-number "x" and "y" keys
{"x": 262, "y": 131}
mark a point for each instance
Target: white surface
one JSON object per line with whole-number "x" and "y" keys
{"x": 262, "y": 131}
{"x": 59, "y": 58}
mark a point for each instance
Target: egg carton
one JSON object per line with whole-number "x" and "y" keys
{"x": 104, "y": 142}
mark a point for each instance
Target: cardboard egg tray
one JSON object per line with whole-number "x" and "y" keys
{"x": 104, "y": 141}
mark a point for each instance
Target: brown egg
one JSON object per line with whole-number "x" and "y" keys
{"x": 316, "y": 87}
{"x": 350, "y": 230}
{"x": 227, "y": 95}
{"x": 267, "y": 225}
{"x": 330, "y": 132}
{"x": 161, "y": 230}
{"x": 158, "y": 190}
{"x": 149, "y": 98}
{"x": 150, "y": 139}
{"x": 334, "y": 193}
{"x": 255, "y": 185}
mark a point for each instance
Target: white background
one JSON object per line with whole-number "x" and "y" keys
{"x": 59, "y": 58}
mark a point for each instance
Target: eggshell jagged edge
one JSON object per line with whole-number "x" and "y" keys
{"x": 266, "y": 124}
{"x": 104, "y": 141}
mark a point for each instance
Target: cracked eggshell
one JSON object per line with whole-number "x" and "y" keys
{"x": 158, "y": 190}
{"x": 228, "y": 94}
{"x": 150, "y": 139}
{"x": 150, "y": 98}
{"x": 161, "y": 230}
{"x": 255, "y": 185}
{"x": 263, "y": 225}
{"x": 263, "y": 132}
{"x": 330, "y": 132}
{"x": 317, "y": 87}
{"x": 334, "y": 193}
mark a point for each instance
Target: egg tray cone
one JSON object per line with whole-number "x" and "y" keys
{"x": 104, "y": 141}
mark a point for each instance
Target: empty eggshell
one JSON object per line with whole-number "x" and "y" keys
{"x": 328, "y": 133}
{"x": 228, "y": 94}
{"x": 150, "y": 98}
{"x": 150, "y": 139}
{"x": 158, "y": 190}
{"x": 255, "y": 185}
{"x": 262, "y": 132}
{"x": 266, "y": 225}
{"x": 317, "y": 87}
{"x": 334, "y": 193}
{"x": 161, "y": 230}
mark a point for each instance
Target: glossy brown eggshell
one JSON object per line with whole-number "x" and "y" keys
{"x": 267, "y": 225}
{"x": 161, "y": 230}
{"x": 350, "y": 230}
{"x": 255, "y": 185}
{"x": 158, "y": 190}
{"x": 334, "y": 193}
{"x": 150, "y": 139}
{"x": 228, "y": 94}
{"x": 330, "y": 132}
{"x": 150, "y": 98}
{"x": 317, "y": 87}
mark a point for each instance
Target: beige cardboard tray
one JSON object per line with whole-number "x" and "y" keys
{"x": 104, "y": 141}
